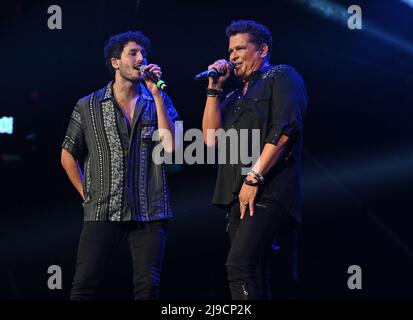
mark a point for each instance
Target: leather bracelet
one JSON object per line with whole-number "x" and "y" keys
{"x": 251, "y": 183}
{"x": 214, "y": 92}
{"x": 256, "y": 175}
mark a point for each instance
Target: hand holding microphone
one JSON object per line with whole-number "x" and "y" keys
{"x": 217, "y": 73}
{"x": 152, "y": 75}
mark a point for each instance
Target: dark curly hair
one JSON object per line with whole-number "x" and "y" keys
{"x": 259, "y": 33}
{"x": 114, "y": 46}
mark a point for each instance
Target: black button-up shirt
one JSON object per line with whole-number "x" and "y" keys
{"x": 121, "y": 180}
{"x": 275, "y": 103}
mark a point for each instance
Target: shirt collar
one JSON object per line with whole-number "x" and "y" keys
{"x": 258, "y": 73}
{"x": 145, "y": 93}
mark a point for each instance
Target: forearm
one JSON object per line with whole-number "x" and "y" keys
{"x": 165, "y": 124}
{"x": 73, "y": 171}
{"x": 211, "y": 120}
{"x": 270, "y": 155}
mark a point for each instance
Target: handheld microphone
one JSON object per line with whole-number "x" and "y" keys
{"x": 159, "y": 83}
{"x": 214, "y": 73}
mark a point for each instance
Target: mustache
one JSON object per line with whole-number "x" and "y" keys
{"x": 138, "y": 66}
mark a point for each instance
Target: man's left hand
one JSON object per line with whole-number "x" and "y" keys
{"x": 149, "y": 83}
{"x": 247, "y": 197}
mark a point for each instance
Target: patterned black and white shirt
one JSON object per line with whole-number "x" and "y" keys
{"x": 121, "y": 181}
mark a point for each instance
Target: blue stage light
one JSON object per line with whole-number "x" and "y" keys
{"x": 408, "y": 2}
{"x": 339, "y": 14}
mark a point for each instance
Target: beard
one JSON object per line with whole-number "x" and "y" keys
{"x": 130, "y": 74}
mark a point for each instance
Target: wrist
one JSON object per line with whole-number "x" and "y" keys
{"x": 156, "y": 93}
{"x": 216, "y": 93}
{"x": 253, "y": 179}
{"x": 214, "y": 85}
{"x": 256, "y": 176}
{"x": 251, "y": 182}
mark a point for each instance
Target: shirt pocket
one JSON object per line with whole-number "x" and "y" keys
{"x": 147, "y": 131}
{"x": 258, "y": 107}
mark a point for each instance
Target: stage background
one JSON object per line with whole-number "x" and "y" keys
{"x": 357, "y": 162}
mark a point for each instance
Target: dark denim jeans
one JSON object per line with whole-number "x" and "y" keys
{"x": 251, "y": 242}
{"x": 98, "y": 243}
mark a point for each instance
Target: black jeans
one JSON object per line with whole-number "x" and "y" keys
{"x": 98, "y": 242}
{"x": 251, "y": 241}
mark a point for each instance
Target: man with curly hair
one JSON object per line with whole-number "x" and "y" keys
{"x": 262, "y": 198}
{"x": 124, "y": 192}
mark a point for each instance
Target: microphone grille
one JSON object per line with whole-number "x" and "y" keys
{"x": 142, "y": 67}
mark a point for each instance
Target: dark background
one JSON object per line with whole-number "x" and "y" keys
{"x": 357, "y": 163}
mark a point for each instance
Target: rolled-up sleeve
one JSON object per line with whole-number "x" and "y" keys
{"x": 288, "y": 106}
{"x": 74, "y": 141}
